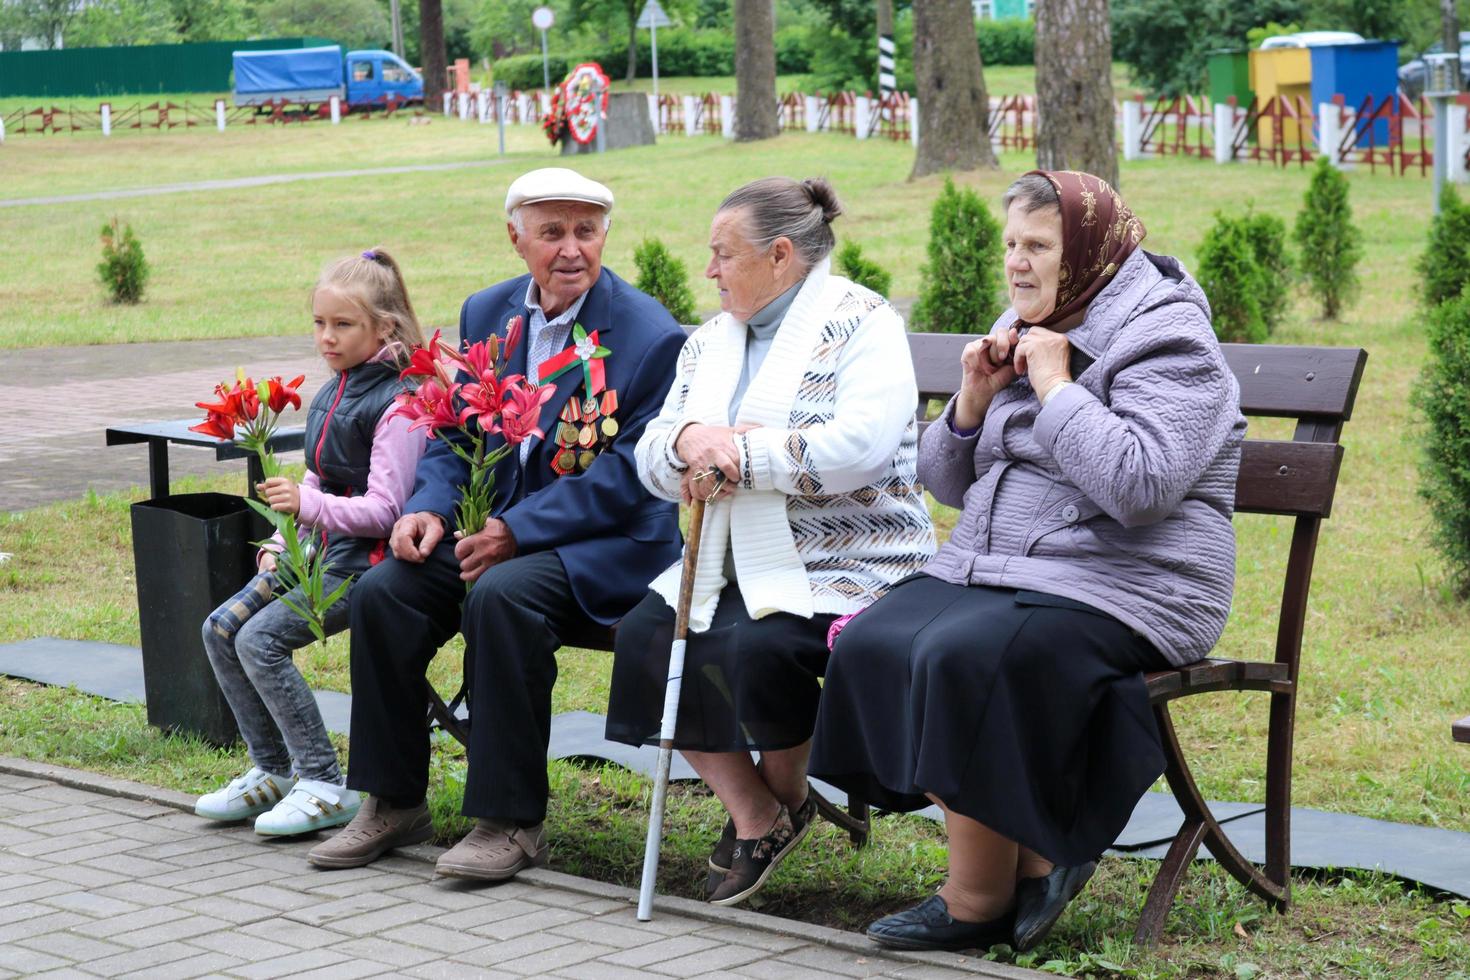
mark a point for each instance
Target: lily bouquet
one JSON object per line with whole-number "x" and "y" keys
{"x": 466, "y": 398}
{"x": 254, "y": 408}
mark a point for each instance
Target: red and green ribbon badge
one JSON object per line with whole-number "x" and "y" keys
{"x": 585, "y": 353}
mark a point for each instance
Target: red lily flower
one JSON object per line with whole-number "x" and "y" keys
{"x": 422, "y": 362}
{"x": 216, "y": 424}
{"x": 477, "y": 360}
{"x": 431, "y": 407}
{"x": 513, "y": 334}
{"x": 520, "y": 410}
{"x": 483, "y": 400}
{"x": 284, "y": 393}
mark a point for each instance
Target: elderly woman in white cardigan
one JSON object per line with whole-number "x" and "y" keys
{"x": 801, "y": 395}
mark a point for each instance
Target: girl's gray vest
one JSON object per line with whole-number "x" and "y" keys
{"x": 339, "y": 445}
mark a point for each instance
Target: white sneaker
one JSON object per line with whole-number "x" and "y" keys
{"x": 311, "y": 805}
{"x": 250, "y": 795}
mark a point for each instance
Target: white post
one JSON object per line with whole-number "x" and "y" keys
{"x": 914, "y": 121}
{"x": 464, "y": 105}
{"x": 219, "y": 114}
{"x": 336, "y": 104}
{"x": 727, "y": 116}
{"x": 863, "y": 113}
{"x": 813, "y": 112}
{"x": 523, "y": 107}
{"x": 2, "y": 129}
{"x": 448, "y": 98}
{"x": 1456, "y": 147}
{"x": 107, "y": 119}
{"x": 691, "y": 113}
{"x": 1224, "y": 132}
{"x": 1132, "y": 129}
{"x": 653, "y": 114}
{"x": 482, "y": 105}
{"x": 544, "y": 97}
{"x": 1329, "y": 133}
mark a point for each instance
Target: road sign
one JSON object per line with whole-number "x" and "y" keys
{"x": 653, "y": 16}
{"x": 542, "y": 18}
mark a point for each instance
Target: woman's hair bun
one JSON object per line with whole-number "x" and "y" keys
{"x": 823, "y": 196}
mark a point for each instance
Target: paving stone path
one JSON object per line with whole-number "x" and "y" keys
{"x": 93, "y": 883}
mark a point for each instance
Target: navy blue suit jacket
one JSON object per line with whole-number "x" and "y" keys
{"x": 613, "y": 536}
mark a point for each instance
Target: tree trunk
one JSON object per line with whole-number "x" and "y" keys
{"x": 632, "y": 42}
{"x": 1074, "y": 88}
{"x": 1449, "y": 19}
{"x": 953, "y": 106}
{"x": 431, "y": 52}
{"x": 755, "y": 70}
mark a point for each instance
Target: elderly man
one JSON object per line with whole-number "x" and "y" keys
{"x": 573, "y": 542}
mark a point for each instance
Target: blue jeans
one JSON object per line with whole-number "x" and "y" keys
{"x": 250, "y": 640}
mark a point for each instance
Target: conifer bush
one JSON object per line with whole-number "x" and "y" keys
{"x": 664, "y": 277}
{"x": 1445, "y": 264}
{"x": 1233, "y": 281}
{"x": 123, "y": 269}
{"x": 864, "y": 271}
{"x": 1267, "y": 236}
{"x": 1330, "y": 243}
{"x": 1443, "y": 396}
{"x": 960, "y": 286}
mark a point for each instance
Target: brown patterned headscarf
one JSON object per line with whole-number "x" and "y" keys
{"x": 1098, "y": 233}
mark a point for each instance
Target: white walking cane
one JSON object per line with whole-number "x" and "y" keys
{"x": 672, "y": 688}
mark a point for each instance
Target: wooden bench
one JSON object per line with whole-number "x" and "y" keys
{"x": 1296, "y": 478}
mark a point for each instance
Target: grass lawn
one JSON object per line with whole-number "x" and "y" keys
{"x": 1384, "y": 667}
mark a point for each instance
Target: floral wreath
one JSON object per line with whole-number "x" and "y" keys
{"x": 578, "y": 104}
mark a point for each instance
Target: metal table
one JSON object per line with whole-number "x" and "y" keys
{"x": 158, "y": 435}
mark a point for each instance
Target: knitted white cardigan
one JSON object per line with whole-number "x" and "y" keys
{"x": 829, "y": 512}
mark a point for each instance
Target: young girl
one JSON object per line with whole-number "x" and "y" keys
{"x": 360, "y": 469}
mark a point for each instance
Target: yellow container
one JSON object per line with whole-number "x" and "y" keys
{"x": 1282, "y": 72}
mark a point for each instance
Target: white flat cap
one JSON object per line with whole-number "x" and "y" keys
{"x": 556, "y": 184}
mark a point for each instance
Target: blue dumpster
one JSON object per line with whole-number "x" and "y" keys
{"x": 1356, "y": 71}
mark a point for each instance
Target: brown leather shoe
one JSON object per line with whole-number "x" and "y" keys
{"x": 376, "y": 829}
{"x": 495, "y": 852}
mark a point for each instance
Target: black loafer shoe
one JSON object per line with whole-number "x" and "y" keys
{"x": 1039, "y": 902}
{"x": 719, "y": 860}
{"x": 929, "y": 925}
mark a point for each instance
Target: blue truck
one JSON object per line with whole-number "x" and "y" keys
{"x": 313, "y": 75}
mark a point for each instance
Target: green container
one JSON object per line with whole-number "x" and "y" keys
{"x": 1230, "y": 74}
{"x": 143, "y": 69}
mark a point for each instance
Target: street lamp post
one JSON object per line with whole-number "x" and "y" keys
{"x": 542, "y": 18}
{"x": 1441, "y": 86}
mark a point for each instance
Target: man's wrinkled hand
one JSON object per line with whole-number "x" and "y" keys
{"x": 479, "y": 551}
{"x": 415, "y": 536}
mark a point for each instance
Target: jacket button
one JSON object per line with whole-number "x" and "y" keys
{"x": 1070, "y": 514}
{"x": 981, "y": 524}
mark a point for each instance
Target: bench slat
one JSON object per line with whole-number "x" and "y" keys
{"x": 1291, "y": 478}
{"x": 1461, "y": 729}
{"x": 1214, "y": 673}
{"x": 1283, "y": 381}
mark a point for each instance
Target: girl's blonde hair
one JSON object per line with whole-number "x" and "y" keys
{"x": 374, "y": 282}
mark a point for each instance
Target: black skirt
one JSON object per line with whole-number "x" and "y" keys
{"x": 1024, "y": 711}
{"x": 748, "y": 683}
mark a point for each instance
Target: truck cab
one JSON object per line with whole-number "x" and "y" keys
{"x": 373, "y": 77}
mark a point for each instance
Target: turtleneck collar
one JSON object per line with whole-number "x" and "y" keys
{"x": 767, "y": 319}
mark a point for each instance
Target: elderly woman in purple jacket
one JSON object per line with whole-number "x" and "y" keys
{"x": 1093, "y": 449}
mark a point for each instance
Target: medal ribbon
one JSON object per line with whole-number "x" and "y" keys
{"x": 593, "y": 371}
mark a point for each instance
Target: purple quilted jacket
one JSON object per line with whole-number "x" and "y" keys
{"x": 1119, "y": 493}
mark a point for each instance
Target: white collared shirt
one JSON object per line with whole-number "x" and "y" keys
{"x": 545, "y": 339}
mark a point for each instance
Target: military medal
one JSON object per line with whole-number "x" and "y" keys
{"x": 585, "y": 458}
{"x": 609, "y": 427}
{"x": 564, "y": 462}
{"x": 588, "y": 436}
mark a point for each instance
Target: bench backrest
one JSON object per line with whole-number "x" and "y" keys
{"x": 1316, "y": 386}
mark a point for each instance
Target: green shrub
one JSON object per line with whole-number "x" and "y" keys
{"x": 1331, "y": 244}
{"x": 1445, "y": 264}
{"x": 123, "y": 269}
{"x": 664, "y": 277}
{"x": 863, "y": 271}
{"x": 1233, "y": 280}
{"x": 1267, "y": 235}
{"x": 960, "y": 285}
{"x": 1443, "y": 395}
{"x": 1006, "y": 42}
{"x": 523, "y": 71}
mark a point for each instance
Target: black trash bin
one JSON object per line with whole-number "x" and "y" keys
{"x": 191, "y": 552}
